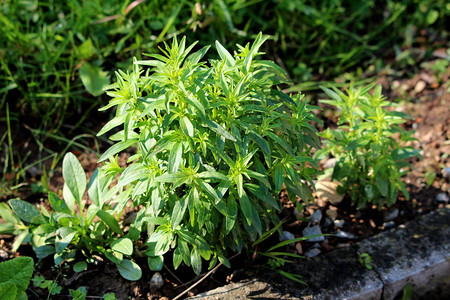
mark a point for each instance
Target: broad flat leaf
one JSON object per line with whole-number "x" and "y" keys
{"x": 8, "y": 291}
{"x": 155, "y": 263}
{"x": 58, "y": 204}
{"x": 68, "y": 198}
{"x": 67, "y": 234}
{"x": 24, "y": 210}
{"x": 16, "y": 272}
{"x": 79, "y": 266}
{"x": 93, "y": 78}
{"x": 116, "y": 148}
{"x": 44, "y": 251}
{"x": 129, "y": 270}
{"x": 110, "y": 221}
{"x": 124, "y": 246}
{"x": 74, "y": 176}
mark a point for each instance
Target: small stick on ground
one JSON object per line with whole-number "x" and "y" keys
{"x": 203, "y": 278}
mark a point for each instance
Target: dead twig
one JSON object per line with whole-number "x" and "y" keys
{"x": 203, "y": 278}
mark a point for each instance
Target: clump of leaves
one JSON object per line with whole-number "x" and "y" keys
{"x": 15, "y": 275}
{"x": 369, "y": 146}
{"x": 215, "y": 144}
{"x": 73, "y": 233}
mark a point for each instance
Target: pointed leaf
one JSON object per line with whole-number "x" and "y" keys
{"x": 120, "y": 146}
{"x": 110, "y": 221}
{"x": 74, "y": 176}
{"x": 24, "y": 210}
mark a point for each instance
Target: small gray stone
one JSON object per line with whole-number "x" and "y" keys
{"x": 442, "y": 197}
{"x": 345, "y": 235}
{"x": 316, "y": 217}
{"x": 388, "y": 225}
{"x": 285, "y": 236}
{"x": 3, "y": 254}
{"x": 390, "y": 214}
{"x": 312, "y": 252}
{"x": 339, "y": 223}
{"x": 327, "y": 222}
{"x": 446, "y": 172}
{"x": 156, "y": 282}
{"x": 313, "y": 230}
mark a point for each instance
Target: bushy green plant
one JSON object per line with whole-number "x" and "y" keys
{"x": 215, "y": 143}
{"x": 369, "y": 146}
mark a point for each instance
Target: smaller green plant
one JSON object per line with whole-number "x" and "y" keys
{"x": 73, "y": 233}
{"x": 369, "y": 146}
{"x": 53, "y": 287}
{"x": 78, "y": 294}
{"x": 366, "y": 260}
{"x": 15, "y": 275}
{"x": 277, "y": 259}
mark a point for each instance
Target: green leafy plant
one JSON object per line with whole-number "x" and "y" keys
{"x": 53, "y": 287}
{"x": 369, "y": 146}
{"x": 277, "y": 259}
{"x": 366, "y": 260}
{"x": 73, "y": 233}
{"x": 15, "y": 275}
{"x": 214, "y": 145}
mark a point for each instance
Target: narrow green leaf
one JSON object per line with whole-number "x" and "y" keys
{"x": 232, "y": 210}
{"x": 178, "y": 212}
{"x": 119, "y": 120}
{"x": 110, "y": 221}
{"x": 196, "y": 261}
{"x": 175, "y": 157}
{"x": 113, "y": 150}
{"x": 225, "y": 55}
{"x": 246, "y": 208}
{"x": 220, "y": 130}
{"x": 186, "y": 126}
